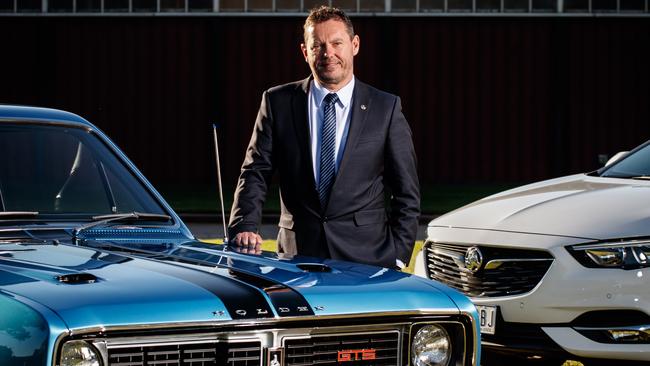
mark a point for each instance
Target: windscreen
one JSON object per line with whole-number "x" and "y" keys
{"x": 635, "y": 165}
{"x": 66, "y": 171}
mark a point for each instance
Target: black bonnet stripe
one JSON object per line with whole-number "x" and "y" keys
{"x": 285, "y": 300}
{"x": 242, "y": 291}
{"x": 288, "y": 302}
{"x": 245, "y": 288}
{"x": 241, "y": 300}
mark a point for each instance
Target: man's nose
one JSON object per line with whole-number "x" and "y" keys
{"x": 328, "y": 51}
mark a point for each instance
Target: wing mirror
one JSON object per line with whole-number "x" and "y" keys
{"x": 619, "y": 155}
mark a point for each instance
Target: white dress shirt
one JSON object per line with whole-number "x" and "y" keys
{"x": 315, "y": 111}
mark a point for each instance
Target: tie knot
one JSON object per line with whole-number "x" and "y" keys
{"x": 331, "y": 98}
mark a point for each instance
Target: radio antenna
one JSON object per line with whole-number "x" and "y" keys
{"x": 223, "y": 211}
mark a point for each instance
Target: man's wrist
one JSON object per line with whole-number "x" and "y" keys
{"x": 234, "y": 230}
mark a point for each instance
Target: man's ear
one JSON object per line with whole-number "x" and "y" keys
{"x": 303, "y": 48}
{"x": 356, "y": 43}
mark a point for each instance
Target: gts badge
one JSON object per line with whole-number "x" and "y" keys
{"x": 356, "y": 355}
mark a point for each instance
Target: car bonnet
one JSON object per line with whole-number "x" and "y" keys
{"x": 89, "y": 286}
{"x": 578, "y": 206}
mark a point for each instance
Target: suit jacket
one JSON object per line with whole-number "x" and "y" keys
{"x": 379, "y": 159}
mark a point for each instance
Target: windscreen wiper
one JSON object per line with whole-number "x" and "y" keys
{"x": 2, "y": 199}
{"x": 5, "y": 215}
{"x": 130, "y": 216}
{"x": 627, "y": 176}
{"x": 641, "y": 177}
{"x": 10, "y": 218}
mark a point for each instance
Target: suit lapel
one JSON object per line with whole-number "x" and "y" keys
{"x": 358, "y": 114}
{"x": 301, "y": 126}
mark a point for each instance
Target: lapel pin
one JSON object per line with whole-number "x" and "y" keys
{"x": 363, "y": 106}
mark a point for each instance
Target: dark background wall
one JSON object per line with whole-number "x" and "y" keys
{"x": 489, "y": 99}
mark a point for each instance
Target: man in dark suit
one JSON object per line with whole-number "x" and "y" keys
{"x": 340, "y": 147}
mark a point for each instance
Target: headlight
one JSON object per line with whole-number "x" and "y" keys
{"x": 625, "y": 254}
{"x": 607, "y": 257}
{"x": 431, "y": 346}
{"x": 80, "y": 353}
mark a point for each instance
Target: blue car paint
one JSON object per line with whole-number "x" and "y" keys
{"x": 363, "y": 287}
{"x": 26, "y": 113}
{"x": 28, "y": 331}
{"x": 126, "y": 290}
{"x": 23, "y": 334}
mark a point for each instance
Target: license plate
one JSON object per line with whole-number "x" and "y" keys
{"x": 487, "y": 316}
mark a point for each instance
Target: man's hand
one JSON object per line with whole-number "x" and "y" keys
{"x": 257, "y": 250}
{"x": 249, "y": 242}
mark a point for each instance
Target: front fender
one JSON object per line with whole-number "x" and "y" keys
{"x": 28, "y": 331}
{"x": 24, "y": 334}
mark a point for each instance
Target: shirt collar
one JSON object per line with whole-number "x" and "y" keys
{"x": 344, "y": 94}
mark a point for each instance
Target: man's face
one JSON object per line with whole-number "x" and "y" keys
{"x": 330, "y": 51}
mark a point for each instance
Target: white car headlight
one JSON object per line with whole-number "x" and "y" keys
{"x": 431, "y": 346}
{"x": 624, "y": 254}
{"x": 80, "y": 353}
{"x": 607, "y": 257}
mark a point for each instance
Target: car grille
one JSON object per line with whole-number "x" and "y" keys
{"x": 503, "y": 272}
{"x": 195, "y": 354}
{"x": 324, "y": 350}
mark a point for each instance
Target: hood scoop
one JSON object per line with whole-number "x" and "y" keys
{"x": 77, "y": 278}
{"x": 314, "y": 267}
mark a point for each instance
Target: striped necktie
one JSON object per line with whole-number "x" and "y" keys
{"x": 327, "y": 148}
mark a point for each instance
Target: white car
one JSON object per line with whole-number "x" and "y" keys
{"x": 558, "y": 269}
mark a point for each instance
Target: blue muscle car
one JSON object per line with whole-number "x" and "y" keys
{"x": 97, "y": 270}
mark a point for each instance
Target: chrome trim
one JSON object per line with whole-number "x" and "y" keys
{"x": 349, "y": 330}
{"x": 214, "y": 339}
{"x": 29, "y": 228}
{"x": 459, "y": 260}
{"x": 154, "y": 341}
{"x": 473, "y": 259}
{"x": 49, "y": 122}
{"x": 271, "y": 332}
{"x": 476, "y": 337}
{"x": 629, "y": 243}
{"x": 640, "y": 328}
{"x": 496, "y": 263}
{"x": 271, "y": 336}
{"x": 101, "y": 347}
{"x": 100, "y": 329}
{"x": 411, "y": 335}
{"x": 363, "y": 330}
{"x": 445, "y": 262}
{"x": 634, "y": 334}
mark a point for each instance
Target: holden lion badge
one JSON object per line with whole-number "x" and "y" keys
{"x": 473, "y": 259}
{"x": 275, "y": 356}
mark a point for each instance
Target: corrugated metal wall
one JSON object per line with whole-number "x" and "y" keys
{"x": 489, "y": 99}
